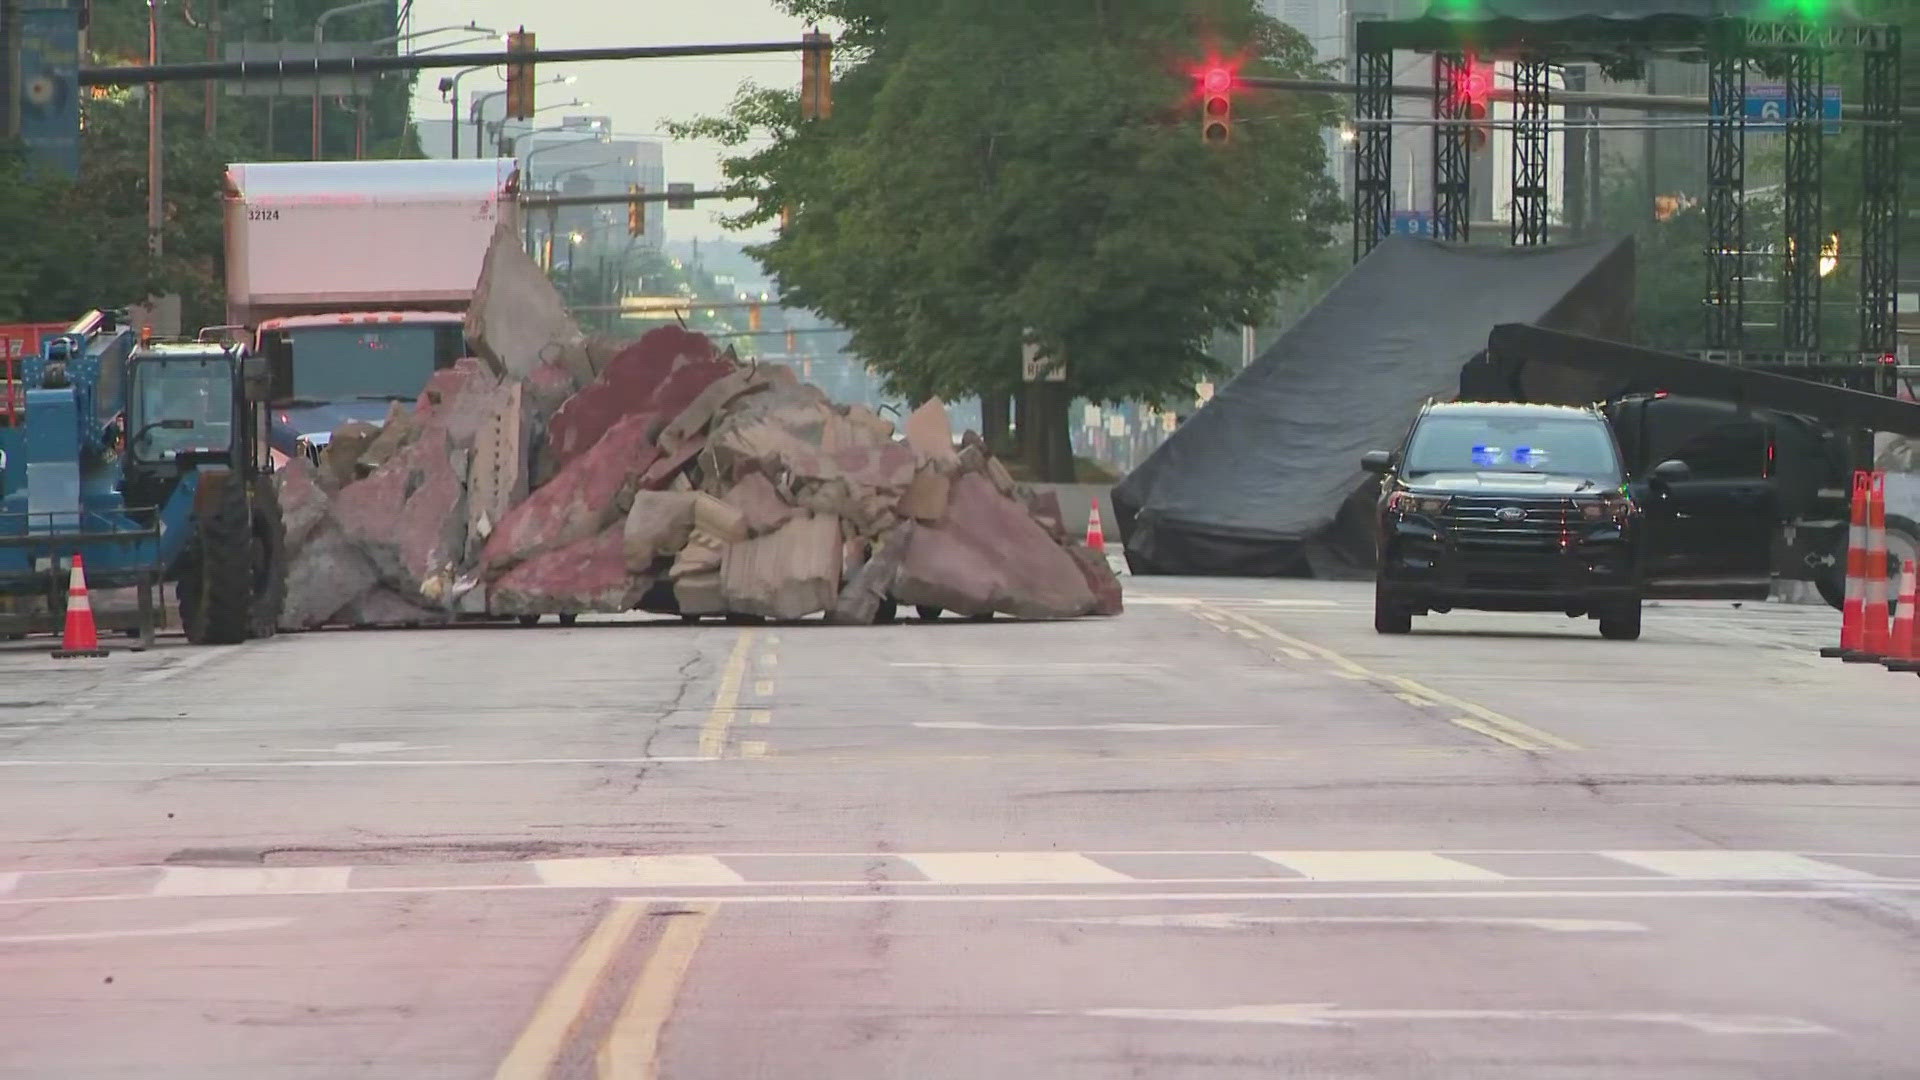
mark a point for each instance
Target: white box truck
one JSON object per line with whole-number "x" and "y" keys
{"x": 353, "y": 278}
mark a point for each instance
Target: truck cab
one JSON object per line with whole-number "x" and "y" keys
{"x": 328, "y": 370}
{"x": 353, "y": 279}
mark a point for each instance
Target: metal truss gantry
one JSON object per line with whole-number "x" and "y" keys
{"x": 1451, "y": 164}
{"x": 1531, "y": 87}
{"x": 1880, "y": 196}
{"x": 1373, "y": 158}
{"x": 1726, "y": 296}
{"x": 1800, "y": 278}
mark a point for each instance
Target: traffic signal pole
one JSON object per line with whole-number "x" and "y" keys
{"x": 263, "y": 70}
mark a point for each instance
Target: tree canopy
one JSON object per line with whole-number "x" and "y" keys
{"x": 995, "y": 173}
{"x": 81, "y": 243}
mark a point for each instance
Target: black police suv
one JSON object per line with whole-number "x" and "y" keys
{"x": 1509, "y": 507}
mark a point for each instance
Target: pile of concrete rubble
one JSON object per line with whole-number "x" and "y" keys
{"x": 560, "y": 475}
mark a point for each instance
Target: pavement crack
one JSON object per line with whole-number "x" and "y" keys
{"x": 686, "y": 676}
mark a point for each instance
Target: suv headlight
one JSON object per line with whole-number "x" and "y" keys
{"x": 1614, "y": 507}
{"x": 1405, "y": 502}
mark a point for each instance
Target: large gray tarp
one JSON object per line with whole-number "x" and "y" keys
{"x": 1255, "y": 482}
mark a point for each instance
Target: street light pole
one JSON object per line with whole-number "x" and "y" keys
{"x": 360, "y": 103}
{"x": 319, "y": 38}
{"x": 451, "y": 85}
{"x": 155, "y": 160}
{"x": 478, "y": 110}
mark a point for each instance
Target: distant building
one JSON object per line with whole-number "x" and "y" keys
{"x": 582, "y": 156}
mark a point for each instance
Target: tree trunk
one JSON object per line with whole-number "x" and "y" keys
{"x": 996, "y": 411}
{"x": 1019, "y": 443}
{"x": 1046, "y": 440}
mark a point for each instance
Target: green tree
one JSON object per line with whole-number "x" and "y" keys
{"x": 80, "y": 243}
{"x": 996, "y": 173}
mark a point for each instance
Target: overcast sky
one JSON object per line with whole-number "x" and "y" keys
{"x": 637, "y": 94}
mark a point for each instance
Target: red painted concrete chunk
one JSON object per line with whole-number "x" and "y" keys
{"x": 586, "y": 575}
{"x": 632, "y": 382}
{"x": 580, "y": 502}
{"x": 990, "y": 555}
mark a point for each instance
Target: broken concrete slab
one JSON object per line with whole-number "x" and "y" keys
{"x": 497, "y": 477}
{"x": 760, "y": 504}
{"x": 1101, "y": 579}
{"x": 718, "y": 395}
{"x": 586, "y": 575}
{"x": 460, "y": 399}
{"x": 870, "y": 585}
{"x": 585, "y": 498}
{"x": 396, "y": 431}
{"x": 659, "y": 523}
{"x": 303, "y": 501}
{"x": 700, "y": 594}
{"x": 326, "y": 574}
{"x": 790, "y": 574}
{"x": 382, "y": 607}
{"x": 671, "y": 464}
{"x": 717, "y": 519}
{"x": 990, "y": 556}
{"x": 929, "y": 430}
{"x": 340, "y": 460}
{"x": 1044, "y": 505}
{"x": 409, "y": 517}
{"x": 647, "y": 376}
{"x": 926, "y": 496}
{"x": 432, "y": 530}
{"x": 516, "y": 313}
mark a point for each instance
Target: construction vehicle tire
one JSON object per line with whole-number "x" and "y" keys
{"x": 216, "y": 587}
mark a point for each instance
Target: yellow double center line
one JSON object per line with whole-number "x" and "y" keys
{"x": 631, "y": 1049}
{"x": 726, "y": 700}
{"x": 1475, "y": 718}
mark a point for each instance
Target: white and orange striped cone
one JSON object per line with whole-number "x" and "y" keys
{"x": 80, "y": 637}
{"x": 1096, "y": 536}
{"x": 1856, "y": 593}
{"x": 1875, "y": 625}
{"x": 1904, "y": 653}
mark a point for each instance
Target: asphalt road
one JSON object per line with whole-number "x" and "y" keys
{"x": 1230, "y": 834}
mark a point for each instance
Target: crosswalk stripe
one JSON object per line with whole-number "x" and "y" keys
{"x": 1378, "y": 866}
{"x": 636, "y": 870}
{"x": 250, "y": 880}
{"x": 1013, "y": 868}
{"x": 1738, "y": 865}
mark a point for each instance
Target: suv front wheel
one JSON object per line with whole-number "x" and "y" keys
{"x": 1621, "y": 623}
{"x": 1389, "y": 615}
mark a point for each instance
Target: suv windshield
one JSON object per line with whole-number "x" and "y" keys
{"x": 1551, "y": 445}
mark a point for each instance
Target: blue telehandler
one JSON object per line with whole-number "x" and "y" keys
{"x": 149, "y": 460}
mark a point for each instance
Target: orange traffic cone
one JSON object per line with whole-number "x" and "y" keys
{"x": 1853, "y": 606}
{"x": 80, "y": 637}
{"x": 1901, "y": 655}
{"x": 1875, "y": 631}
{"x": 1096, "y": 536}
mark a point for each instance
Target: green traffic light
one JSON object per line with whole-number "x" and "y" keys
{"x": 1810, "y": 10}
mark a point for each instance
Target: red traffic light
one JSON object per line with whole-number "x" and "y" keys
{"x": 1217, "y": 80}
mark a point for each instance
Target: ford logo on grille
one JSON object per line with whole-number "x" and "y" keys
{"x": 1510, "y": 514}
